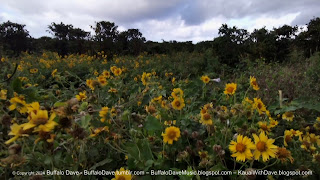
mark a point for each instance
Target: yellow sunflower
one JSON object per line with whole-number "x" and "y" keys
{"x": 287, "y": 137}
{"x": 230, "y": 89}
{"x": 247, "y": 100}
{"x": 122, "y": 174}
{"x": 297, "y": 133}
{"x": 81, "y": 96}
{"x": 264, "y": 127}
{"x": 170, "y": 122}
{"x": 171, "y": 134}
{"x": 314, "y": 139}
{"x": 33, "y": 107}
{"x": 259, "y": 106}
{"x": 288, "y": 116}
{"x": 34, "y": 70}
{"x": 178, "y": 103}
{"x": 16, "y": 131}
{"x": 19, "y": 104}
{"x": 97, "y": 131}
{"x": 112, "y": 90}
{"x": 177, "y": 93}
{"x": 91, "y": 83}
{"x": 253, "y": 83}
{"x": 206, "y": 119}
{"x": 3, "y": 94}
{"x": 157, "y": 100}
{"x": 40, "y": 121}
{"x": 103, "y": 113}
{"x": 264, "y": 147}
{"x": 102, "y": 80}
{"x": 273, "y": 123}
{"x": 54, "y": 72}
{"x": 205, "y": 79}
{"x": 106, "y": 74}
{"x": 117, "y": 72}
{"x": 307, "y": 145}
{"x": 241, "y": 149}
{"x": 145, "y": 78}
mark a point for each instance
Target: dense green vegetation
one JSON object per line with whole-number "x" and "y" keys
{"x": 230, "y": 47}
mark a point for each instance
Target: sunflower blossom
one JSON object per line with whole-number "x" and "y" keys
{"x": 288, "y": 116}
{"x": 178, "y": 103}
{"x": 264, "y": 147}
{"x": 16, "y": 131}
{"x": 241, "y": 149}
{"x": 81, "y": 96}
{"x": 171, "y": 134}
{"x": 122, "y": 174}
{"x": 104, "y": 114}
{"x": 230, "y": 89}
{"x": 205, "y": 79}
{"x": 19, "y": 104}
{"x": 259, "y": 106}
{"x": 41, "y": 121}
{"x": 3, "y": 94}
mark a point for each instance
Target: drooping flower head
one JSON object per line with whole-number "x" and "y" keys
{"x": 288, "y": 116}
{"x": 259, "y": 106}
{"x": 16, "y": 131}
{"x": 54, "y": 72}
{"x": 283, "y": 154}
{"x": 253, "y": 83}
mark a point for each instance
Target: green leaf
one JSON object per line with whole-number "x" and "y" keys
{"x": 31, "y": 93}
{"x": 47, "y": 160}
{"x": 59, "y": 104}
{"x": 101, "y": 163}
{"x": 126, "y": 115}
{"x": 17, "y": 85}
{"x": 57, "y": 157}
{"x": 153, "y": 124}
{"x": 83, "y": 106}
{"x": 84, "y": 121}
{"x": 133, "y": 150}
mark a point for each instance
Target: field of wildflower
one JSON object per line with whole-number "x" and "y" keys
{"x": 145, "y": 113}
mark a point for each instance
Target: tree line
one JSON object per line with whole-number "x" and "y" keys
{"x": 232, "y": 44}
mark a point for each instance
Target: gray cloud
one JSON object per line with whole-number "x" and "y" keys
{"x": 198, "y": 11}
{"x": 166, "y": 19}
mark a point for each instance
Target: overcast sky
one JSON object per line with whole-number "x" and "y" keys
{"x": 181, "y": 20}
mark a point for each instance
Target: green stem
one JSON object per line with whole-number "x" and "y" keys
{"x": 270, "y": 165}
